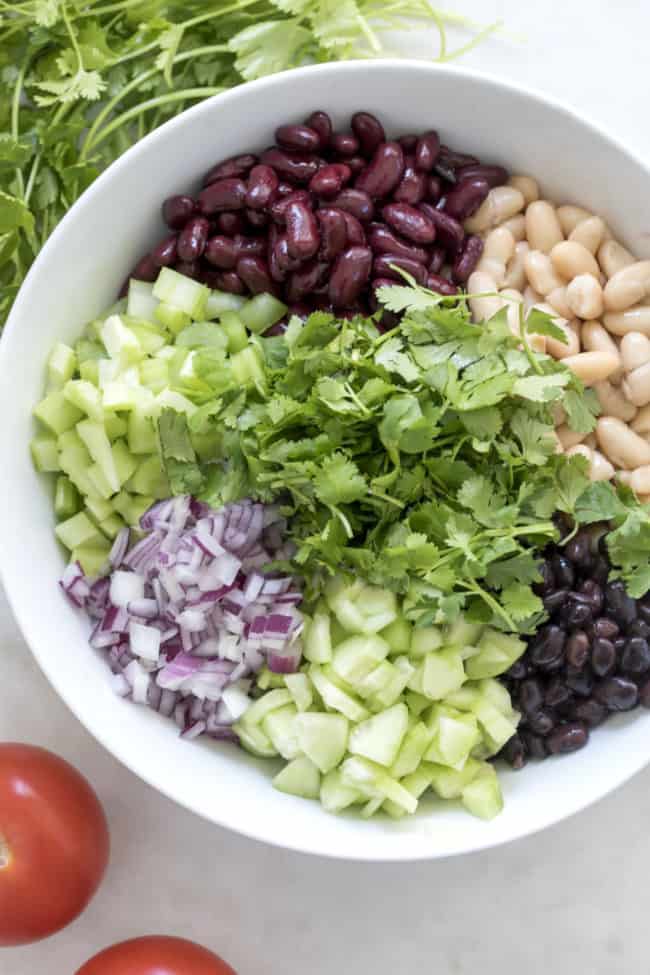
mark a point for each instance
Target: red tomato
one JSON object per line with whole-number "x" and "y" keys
{"x": 53, "y": 843}
{"x": 156, "y": 955}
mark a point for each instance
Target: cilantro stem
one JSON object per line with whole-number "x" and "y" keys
{"x": 72, "y": 35}
{"x": 494, "y": 605}
{"x": 15, "y": 114}
{"x": 524, "y": 338}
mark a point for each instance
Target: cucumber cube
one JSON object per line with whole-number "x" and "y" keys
{"x": 496, "y": 652}
{"x": 45, "y": 454}
{"x": 417, "y": 783}
{"x": 280, "y": 728}
{"x": 78, "y": 530}
{"x": 461, "y": 633}
{"x": 61, "y": 365}
{"x": 267, "y": 680}
{"x": 253, "y": 739}
{"x": 448, "y": 783}
{"x": 416, "y": 741}
{"x": 264, "y": 705}
{"x": 336, "y": 698}
{"x": 66, "y": 498}
{"x": 425, "y": 639}
{"x": 454, "y": 736}
{"x": 323, "y": 738}
{"x": 379, "y": 738}
{"x": 378, "y": 679}
{"x": 442, "y": 673}
{"x": 299, "y": 687}
{"x": 398, "y": 635}
{"x": 497, "y": 729}
{"x": 357, "y": 656}
{"x": 373, "y": 780}
{"x": 335, "y": 794}
{"x": 482, "y": 796}
{"x": 114, "y": 425}
{"x": 361, "y": 608}
{"x": 494, "y": 692}
{"x": 86, "y": 397}
{"x": 317, "y": 645}
{"x": 299, "y": 778}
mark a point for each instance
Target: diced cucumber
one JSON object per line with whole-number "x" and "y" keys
{"x": 373, "y": 780}
{"x": 270, "y": 701}
{"x": 151, "y": 336}
{"x": 88, "y": 350}
{"x": 299, "y": 778}
{"x": 56, "y": 413}
{"x": 335, "y": 698}
{"x": 335, "y": 794}
{"x": 98, "y": 445}
{"x": 267, "y": 680}
{"x": 417, "y": 703}
{"x": 86, "y": 397}
{"x": 398, "y": 635}
{"x": 261, "y": 312}
{"x": 253, "y": 739}
{"x": 461, "y": 633}
{"x": 361, "y": 608}
{"x": 482, "y": 796}
{"x": 357, "y": 656}
{"x": 234, "y": 330}
{"x": 173, "y": 318}
{"x": 425, "y": 639}
{"x": 45, "y": 453}
{"x": 78, "y": 530}
{"x": 442, "y": 673}
{"x": 247, "y": 367}
{"x": 201, "y": 334}
{"x": 416, "y": 742}
{"x": 149, "y": 478}
{"x": 372, "y": 806}
{"x": 379, "y": 738}
{"x": 323, "y": 738}
{"x": 142, "y": 436}
{"x": 66, "y": 498}
{"x": 99, "y": 509}
{"x": 181, "y": 292}
{"x": 125, "y": 462}
{"x": 140, "y": 302}
{"x": 496, "y": 652}
{"x": 89, "y": 370}
{"x": 299, "y": 687}
{"x": 497, "y": 729}
{"x": 115, "y": 426}
{"x": 61, "y": 365}
{"x": 389, "y": 694}
{"x": 154, "y": 374}
{"x": 112, "y": 526}
{"x": 220, "y": 302}
{"x": 120, "y": 342}
{"x": 448, "y": 783}
{"x": 455, "y": 734}
{"x": 494, "y": 692}
{"x": 75, "y": 462}
{"x": 317, "y": 642}
{"x": 280, "y": 728}
{"x": 92, "y": 558}
{"x": 465, "y": 698}
{"x": 417, "y": 783}
{"x": 378, "y": 679}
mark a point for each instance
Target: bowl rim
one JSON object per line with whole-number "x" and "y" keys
{"x": 18, "y": 605}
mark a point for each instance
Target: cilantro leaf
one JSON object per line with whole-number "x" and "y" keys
{"x": 599, "y": 502}
{"x": 581, "y": 408}
{"x": 520, "y": 602}
{"x": 628, "y": 547}
{"x": 269, "y": 46}
{"x": 178, "y": 456}
{"x": 339, "y": 481}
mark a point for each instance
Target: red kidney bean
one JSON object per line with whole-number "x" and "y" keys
{"x": 229, "y": 224}
{"x": 278, "y": 209}
{"x": 193, "y": 238}
{"x": 381, "y": 268}
{"x": 384, "y": 171}
{"x": 356, "y": 202}
{"x": 466, "y": 197}
{"x": 468, "y": 257}
{"x": 382, "y": 283}
{"x": 344, "y": 144}
{"x": 302, "y": 231}
{"x": 177, "y": 210}
{"x": 294, "y": 167}
{"x": 455, "y": 160}
{"x": 412, "y": 186}
{"x": 224, "y": 194}
{"x": 300, "y": 309}
{"x": 229, "y": 281}
{"x": 221, "y": 252}
{"x": 145, "y": 270}
{"x": 165, "y": 253}
{"x": 299, "y": 138}
{"x": 409, "y": 222}
{"x": 437, "y": 255}
{"x": 249, "y": 246}
{"x": 349, "y": 276}
{"x": 262, "y": 187}
{"x": 321, "y": 123}
{"x": 329, "y": 180}
{"x": 235, "y": 166}
{"x": 257, "y": 218}
{"x": 449, "y": 232}
{"x": 408, "y": 142}
{"x": 191, "y": 269}
{"x": 369, "y": 131}
{"x": 303, "y": 281}
{"x": 427, "y": 149}
{"x": 434, "y": 188}
{"x": 436, "y": 283}
{"x": 254, "y": 272}
{"x": 383, "y": 241}
{"x": 356, "y": 164}
{"x": 285, "y": 188}
{"x": 355, "y": 232}
{"x": 333, "y": 232}
{"x": 494, "y": 175}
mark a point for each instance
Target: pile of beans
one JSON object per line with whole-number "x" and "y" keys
{"x": 319, "y": 218}
{"x": 591, "y": 659}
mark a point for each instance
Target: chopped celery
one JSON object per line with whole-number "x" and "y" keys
{"x": 75, "y": 462}
{"x": 154, "y": 374}
{"x": 122, "y": 397}
{"x": 114, "y": 425}
{"x": 181, "y": 292}
{"x": 66, "y": 498}
{"x": 138, "y": 507}
{"x": 99, "y": 508}
{"x": 112, "y": 525}
{"x": 149, "y": 478}
{"x": 219, "y": 302}
{"x": 234, "y": 330}
{"x": 323, "y": 738}
{"x": 299, "y": 778}
{"x": 77, "y": 530}
{"x": 56, "y": 413}
{"x": 142, "y": 436}
{"x": 92, "y": 557}
{"x": 151, "y": 337}
{"x": 86, "y": 397}
{"x": 61, "y": 365}
{"x": 247, "y": 367}
{"x": 172, "y": 318}
{"x": 140, "y": 302}
{"x": 45, "y": 454}
{"x": 89, "y": 370}
{"x": 99, "y": 482}
{"x": 88, "y": 350}
{"x": 120, "y": 342}
{"x": 175, "y": 401}
{"x": 125, "y": 462}
{"x": 201, "y": 334}
{"x": 99, "y": 447}
{"x": 261, "y": 312}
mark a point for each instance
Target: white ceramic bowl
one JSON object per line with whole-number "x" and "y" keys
{"x": 78, "y": 273}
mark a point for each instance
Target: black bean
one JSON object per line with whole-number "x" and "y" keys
{"x": 617, "y": 693}
{"x": 555, "y": 600}
{"x": 568, "y": 738}
{"x": 535, "y": 745}
{"x": 547, "y": 646}
{"x": 590, "y": 711}
{"x": 599, "y": 569}
{"x": 541, "y": 722}
{"x": 618, "y": 604}
{"x": 643, "y": 607}
{"x": 556, "y": 693}
{"x": 581, "y": 682}
{"x": 635, "y": 658}
{"x": 577, "y": 649}
{"x": 514, "y": 752}
{"x": 603, "y": 657}
{"x": 644, "y": 694}
{"x": 518, "y": 670}
{"x": 578, "y": 550}
{"x": 577, "y": 611}
{"x": 547, "y": 581}
{"x": 604, "y": 627}
{"x": 530, "y": 695}
{"x": 563, "y": 571}
{"x": 639, "y": 628}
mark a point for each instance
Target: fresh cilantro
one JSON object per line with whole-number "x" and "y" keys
{"x": 178, "y": 455}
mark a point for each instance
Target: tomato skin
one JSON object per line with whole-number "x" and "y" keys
{"x": 55, "y": 839}
{"x": 156, "y": 955}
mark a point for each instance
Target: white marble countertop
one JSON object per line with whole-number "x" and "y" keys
{"x": 569, "y": 899}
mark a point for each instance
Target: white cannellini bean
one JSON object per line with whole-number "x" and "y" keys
{"x": 635, "y": 350}
{"x": 636, "y": 385}
{"x": 560, "y": 350}
{"x": 628, "y": 286}
{"x": 568, "y": 437}
{"x": 641, "y": 422}
{"x": 590, "y": 232}
{"x": 633, "y": 320}
{"x": 527, "y": 186}
{"x": 557, "y": 300}
{"x": 613, "y": 402}
{"x": 621, "y": 445}
{"x": 531, "y": 298}
{"x": 590, "y": 441}
{"x": 540, "y": 273}
{"x": 571, "y": 258}
{"x": 613, "y": 257}
{"x": 584, "y": 296}
{"x": 595, "y": 338}
{"x": 515, "y": 276}
{"x": 499, "y": 245}
{"x": 516, "y": 225}
{"x": 570, "y": 216}
{"x": 543, "y": 230}
{"x": 639, "y": 480}
{"x": 624, "y": 477}
{"x": 599, "y": 467}
{"x": 592, "y": 367}
{"x": 501, "y": 203}
{"x": 513, "y": 300}
{"x": 483, "y": 308}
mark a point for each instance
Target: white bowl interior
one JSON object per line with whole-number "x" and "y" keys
{"x": 78, "y": 274}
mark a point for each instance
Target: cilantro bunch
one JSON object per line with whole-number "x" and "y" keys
{"x": 82, "y": 80}
{"x": 423, "y": 460}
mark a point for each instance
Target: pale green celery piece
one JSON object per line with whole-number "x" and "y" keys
{"x": 45, "y": 454}
{"x": 61, "y": 365}
{"x": 56, "y": 413}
